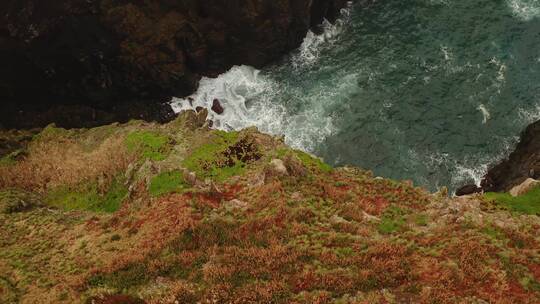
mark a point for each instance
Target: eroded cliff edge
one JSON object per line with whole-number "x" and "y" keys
{"x": 103, "y": 55}
{"x": 179, "y": 213}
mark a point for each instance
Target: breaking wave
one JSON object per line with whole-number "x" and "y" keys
{"x": 251, "y": 97}
{"x": 407, "y": 91}
{"x": 525, "y": 9}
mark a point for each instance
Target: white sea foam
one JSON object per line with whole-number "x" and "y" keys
{"x": 309, "y": 52}
{"x": 525, "y": 9}
{"x": 474, "y": 170}
{"x": 447, "y": 54}
{"x": 465, "y": 174}
{"x": 531, "y": 115}
{"x": 251, "y": 98}
{"x": 485, "y": 113}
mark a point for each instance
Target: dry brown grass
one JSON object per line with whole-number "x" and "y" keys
{"x": 64, "y": 162}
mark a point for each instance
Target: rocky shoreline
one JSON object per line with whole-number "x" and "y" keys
{"x": 97, "y": 57}
{"x": 522, "y": 164}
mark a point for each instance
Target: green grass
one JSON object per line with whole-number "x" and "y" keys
{"x": 528, "y": 203}
{"x": 151, "y": 145}
{"x": 88, "y": 198}
{"x": 392, "y": 220}
{"x": 313, "y": 162}
{"x": 210, "y": 161}
{"x": 167, "y": 182}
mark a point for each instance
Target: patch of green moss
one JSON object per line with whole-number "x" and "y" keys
{"x": 528, "y": 203}
{"x": 150, "y": 144}
{"x": 313, "y": 162}
{"x": 167, "y": 182}
{"x": 88, "y": 198}
{"x": 393, "y": 220}
{"x": 225, "y": 156}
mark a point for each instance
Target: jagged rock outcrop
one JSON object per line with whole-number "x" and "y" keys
{"x": 101, "y": 52}
{"x": 522, "y": 164}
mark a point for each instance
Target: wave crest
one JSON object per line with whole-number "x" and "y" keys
{"x": 525, "y": 9}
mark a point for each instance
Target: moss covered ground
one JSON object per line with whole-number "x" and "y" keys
{"x": 528, "y": 203}
{"x": 178, "y": 213}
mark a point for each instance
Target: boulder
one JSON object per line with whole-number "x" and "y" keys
{"x": 216, "y": 107}
{"x": 468, "y": 189}
{"x": 524, "y": 187}
{"x": 277, "y": 168}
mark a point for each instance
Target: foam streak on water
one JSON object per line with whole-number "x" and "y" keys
{"x": 525, "y": 9}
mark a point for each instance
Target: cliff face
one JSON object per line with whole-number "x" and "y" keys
{"x": 523, "y": 163}
{"x": 102, "y": 52}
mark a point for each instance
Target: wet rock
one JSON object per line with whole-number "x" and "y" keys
{"x": 468, "y": 189}
{"x": 524, "y": 187}
{"x": 522, "y": 164}
{"x": 216, "y": 107}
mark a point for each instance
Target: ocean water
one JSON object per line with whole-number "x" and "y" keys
{"x": 433, "y": 91}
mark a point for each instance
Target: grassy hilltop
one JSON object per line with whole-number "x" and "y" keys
{"x": 179, "y": 213}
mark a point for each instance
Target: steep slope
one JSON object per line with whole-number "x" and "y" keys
{"x": 179, "y": 213}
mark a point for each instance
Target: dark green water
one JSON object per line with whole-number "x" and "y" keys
{"x": 432, "y": 91}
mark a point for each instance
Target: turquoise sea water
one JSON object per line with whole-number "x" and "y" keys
{"x": 429, "y": 90}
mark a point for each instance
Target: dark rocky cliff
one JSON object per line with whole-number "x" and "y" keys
{"x": 102, "y": 54}
{"x": 523, "y": 163}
